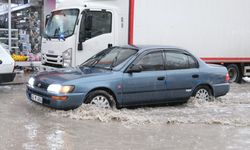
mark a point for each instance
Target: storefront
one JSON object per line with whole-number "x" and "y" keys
{"x": 27, "y": 24}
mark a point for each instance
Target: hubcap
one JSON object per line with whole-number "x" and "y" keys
{"x": 202, "y": 94}
{"x": 232, "y": 74}
{"x": 100, "y": 101}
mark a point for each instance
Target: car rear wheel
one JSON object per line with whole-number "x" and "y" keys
{"x": 203, "y": 93}
{"x": 101, "y": 99}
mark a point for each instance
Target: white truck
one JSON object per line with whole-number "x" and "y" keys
{"x": 6, "y": 66}
{"x": 218, "y": 31}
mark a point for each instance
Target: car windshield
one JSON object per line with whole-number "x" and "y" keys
{"x": 61, "y": 23}
{"x": 110, "y": 58}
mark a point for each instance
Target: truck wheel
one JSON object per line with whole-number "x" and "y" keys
{"x": 234, "y": 73}
{"x": 203, "y": 93}
{"x": 101, "y": 99}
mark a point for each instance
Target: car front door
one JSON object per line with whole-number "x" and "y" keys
{"x": 147, "y": 86}
{"x": 182, "y": 74}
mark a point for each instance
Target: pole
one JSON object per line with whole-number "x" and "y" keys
{"x": 9, "y": 15}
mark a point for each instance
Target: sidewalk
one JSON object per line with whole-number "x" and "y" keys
{"x": 22, "y": 77}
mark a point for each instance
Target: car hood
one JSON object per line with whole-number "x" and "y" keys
{"x": 64, "y": 75}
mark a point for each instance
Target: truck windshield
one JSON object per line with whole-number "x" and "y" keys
{"x": 61, "y": 24}
{"x": 110, "y": 58}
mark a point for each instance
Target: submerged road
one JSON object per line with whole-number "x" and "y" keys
{"x": 221, "y": 124}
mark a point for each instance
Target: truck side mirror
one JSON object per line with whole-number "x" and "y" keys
{"x": 1, "y": 62}
{"x": 47, "y": 19}
{"x": 80, "y": 48}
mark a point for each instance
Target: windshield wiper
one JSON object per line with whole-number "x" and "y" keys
{"x": 114, "y": 61}
{"x": 91, "y": 64}
{"x": 68, "y": 33}
{"x": 57, "y": 32}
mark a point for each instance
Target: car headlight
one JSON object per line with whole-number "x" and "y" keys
{"x": 31, "y": 82}
{"x": 67, "y": 58}
{"x": 59, "y": 89}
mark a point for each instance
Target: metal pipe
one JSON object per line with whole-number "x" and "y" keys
{"x": 9, "y": 20}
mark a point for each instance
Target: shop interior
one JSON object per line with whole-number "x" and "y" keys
{"x": 26, "y": 28}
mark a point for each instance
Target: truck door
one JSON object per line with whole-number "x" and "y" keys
{"x": 96, "y": 33}
{"x": 147, "y": 86}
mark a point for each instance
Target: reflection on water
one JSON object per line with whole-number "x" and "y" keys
{"x": 55, "y": 139}
{"x": 36, "y": 135}
{"x": 31, "y": 135}
{"x": 240, "y": 140}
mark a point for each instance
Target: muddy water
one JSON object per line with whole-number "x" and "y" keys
{"x": 221, "y": 124}
{"x": 232, "y": 109}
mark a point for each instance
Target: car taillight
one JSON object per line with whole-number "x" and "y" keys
{"x": 227, "y": 77}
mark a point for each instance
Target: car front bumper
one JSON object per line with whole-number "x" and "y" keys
{"x": 74, "y": 100}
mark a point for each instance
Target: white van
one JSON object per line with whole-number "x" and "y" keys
{"x": 6, "y": 65}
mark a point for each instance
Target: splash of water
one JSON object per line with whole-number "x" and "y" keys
{"x": 232, "y": 109}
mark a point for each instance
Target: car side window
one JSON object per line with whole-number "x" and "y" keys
{"x": 152, "y": 62}
{"x": 176, "y": 61}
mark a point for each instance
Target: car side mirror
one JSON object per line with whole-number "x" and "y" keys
{"x": 134, "y": 69}
{"x": 1, "y": 62}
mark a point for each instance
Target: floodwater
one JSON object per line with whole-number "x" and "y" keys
{"x": 221, "y": 124}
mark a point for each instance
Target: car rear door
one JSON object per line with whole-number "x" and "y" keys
{"x": 147, "y": 86}
{"x": 182, "y": 74}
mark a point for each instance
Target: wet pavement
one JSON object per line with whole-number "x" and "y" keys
{"x": 221, "y": 124}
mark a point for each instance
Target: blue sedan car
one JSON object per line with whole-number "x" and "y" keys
{"x": 129, "y": 76}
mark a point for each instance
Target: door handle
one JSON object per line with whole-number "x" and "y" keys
{"x": 161, "y": 78}
{"x": 195, "y": 76}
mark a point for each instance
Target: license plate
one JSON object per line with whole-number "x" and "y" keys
{"x": 37, "y": 98}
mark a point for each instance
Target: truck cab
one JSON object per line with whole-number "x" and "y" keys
{"x": 6, "y": 66}
{"x": 75, "y": 33}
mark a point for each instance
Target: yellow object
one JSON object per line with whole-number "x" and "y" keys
{"x": 19, "y": 57}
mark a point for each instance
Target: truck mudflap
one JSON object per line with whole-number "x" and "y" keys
{"x": 7, "y": 77}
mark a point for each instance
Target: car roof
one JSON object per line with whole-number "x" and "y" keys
{"x": 147, "y": 47}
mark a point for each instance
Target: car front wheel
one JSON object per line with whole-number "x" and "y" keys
{"x": 203, "y": 93}
{"x": 101, "y": 99}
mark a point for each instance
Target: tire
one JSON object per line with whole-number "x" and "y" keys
{"x": 101, "y": 99}
{"x": 203, "y": 93}
{"x": 234, "y": 73}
